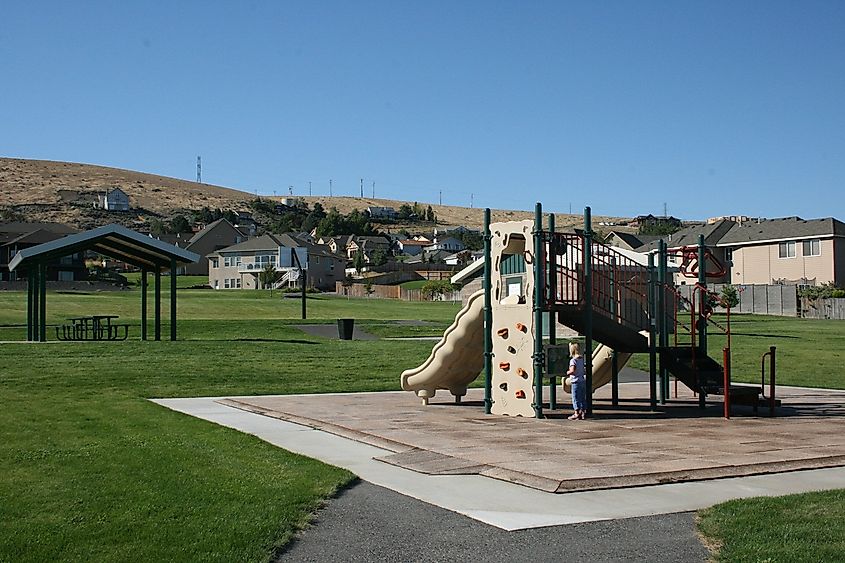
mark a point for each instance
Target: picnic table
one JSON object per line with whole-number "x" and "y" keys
{"x": 93, "y": 327}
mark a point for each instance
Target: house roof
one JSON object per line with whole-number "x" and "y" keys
{"x": 264, "y": 242}
{"x": 113, "y": 240}
{"x": 208, "y": 228}
{"x": 783, "y": 229}
{"x": 634, "y": 240}
{"x": 713, "y": 233}
{"x": 21, "y": 227}
{"x": 37, "y": 236}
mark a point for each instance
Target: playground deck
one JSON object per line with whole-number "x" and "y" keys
{"x": 620, "y": 447}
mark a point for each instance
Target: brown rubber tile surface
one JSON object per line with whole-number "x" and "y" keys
{"x": 622, "y": 446}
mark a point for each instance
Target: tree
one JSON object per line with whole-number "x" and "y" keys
{"x": 346, "y": 284}
{"x": 368, "y": 288}
{"x": 405, "y": 211}
{"x": 358, "y": 260}
{"x": 379, "y": 258}
{"x": 436, "y": 288}
{"x": 179, "y": 225}
{"x": 157, "y": 227}
{"x": 729, "y": 298}
{"x": 267, "y": 276}
{"x": 429, "y": 215}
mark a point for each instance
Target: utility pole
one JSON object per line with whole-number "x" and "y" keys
{"x": 199, "y": 170}
{"x": 290, "y": 190}
{"x": 362, "y": 188}
{"x": 441, "y": 198}
{"x": 471, "y": 198}
{"x": 330, "y": 188}
{"x": 309, "y": 188}
{"x": 374, "y": 190}
{"x": 665, "y": 214}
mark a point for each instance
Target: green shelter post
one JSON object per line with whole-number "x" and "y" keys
{"x": 157, "y": 302}
{"x": 488, "y": 316}
{"x": 42, "y": 301}
{"x": 552, "y": 289}
{"x": 538, "y": 311}
{"x": 662, "y": 323}
{"x": 652, "y": 328}
{"x": 143, "y": 304}
{"x": 588, "y": 306}
{"x": 702, "y": 315}
{"x": 172, "y": 299}
{"x": 30, "y": 303}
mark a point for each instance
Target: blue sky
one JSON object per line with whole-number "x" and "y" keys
{"x": 709, "y": 107}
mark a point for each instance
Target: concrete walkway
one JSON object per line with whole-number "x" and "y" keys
{"x": 502, "y": 504}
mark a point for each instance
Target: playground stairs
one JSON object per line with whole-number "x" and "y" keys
{"x": 605, "y": 330}
{"x": 703, "y": 374}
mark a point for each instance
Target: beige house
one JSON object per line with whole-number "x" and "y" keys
{"x": 240, "y": 266}
{"x": 216, "y": 235}
{"x": 790, "y": 250}
{"x": 688, "y": 238}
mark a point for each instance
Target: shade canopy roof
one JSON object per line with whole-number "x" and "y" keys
{"x": 112, "y": 240}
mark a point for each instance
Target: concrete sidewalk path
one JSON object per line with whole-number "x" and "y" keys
{"x": 498, "y": 503}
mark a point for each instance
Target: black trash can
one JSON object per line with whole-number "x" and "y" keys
{"x": 345, "y": 328}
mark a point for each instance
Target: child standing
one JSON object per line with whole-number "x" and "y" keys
{"x": 578, "y": 378}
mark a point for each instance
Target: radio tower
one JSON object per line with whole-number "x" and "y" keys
{"x": 199, "y": 170}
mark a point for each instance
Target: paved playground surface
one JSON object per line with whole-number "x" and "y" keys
{"x": 623, "y": 446}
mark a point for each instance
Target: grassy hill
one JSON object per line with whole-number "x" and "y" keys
{"x": 43, "y": 190}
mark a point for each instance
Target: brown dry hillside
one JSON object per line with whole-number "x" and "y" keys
{"x": 45, "y": 190}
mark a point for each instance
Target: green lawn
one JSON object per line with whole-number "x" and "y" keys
{"x": 91, "y": 470}
{"x": 810, "y": 352}
{"x": 797, "y": 528}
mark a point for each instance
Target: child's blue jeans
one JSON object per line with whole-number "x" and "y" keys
{"x": 579, "y": 396}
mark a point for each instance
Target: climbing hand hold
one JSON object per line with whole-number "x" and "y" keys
{"x": 511, "y": 349}
{"x": 504, "y": 366}
{"x": 520, "y": 394}
{"x": 503, "y": 332}
{"x": 503, "y": 386}
{"x": 522, "y": 373}
{"x": 521, "y": 327}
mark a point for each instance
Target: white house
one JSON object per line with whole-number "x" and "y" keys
{"x": 113, "y": 200}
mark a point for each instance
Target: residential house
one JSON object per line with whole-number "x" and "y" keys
{"x": 388, "y": 213}
{"x": 628, "y": 241}
{"x": 688, "y": 238}
{"x": 113, "y": 200}
{"x": 239, "y": 266}
{"x": 412, "y": 247}
{"x": 337, "y": 244}
{"x": 215, "y": 236}
{"x": 17, "y": 236}
{"x": 368, "y": 245}
{"x": 450, "y": 244}
{"x": 788, "y": 250}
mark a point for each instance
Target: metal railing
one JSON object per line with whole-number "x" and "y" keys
{"x": 619, "y": 283}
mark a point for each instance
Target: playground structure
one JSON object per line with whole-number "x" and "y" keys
{"x": 619, "y": 304}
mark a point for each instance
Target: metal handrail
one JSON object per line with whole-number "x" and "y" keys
{"x": 619, "y": 284}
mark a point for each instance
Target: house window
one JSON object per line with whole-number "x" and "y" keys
{"x": 226, "y": 283}
{"x": 812, "y": 247}
{"x": 237, "y": 260}
{"x": 227, "y": 261}
{"x": 786, "y": 249}
{"x": 214, "y": 263}
{"x": 238, "y": 283}
{"x": 64, "y": 275}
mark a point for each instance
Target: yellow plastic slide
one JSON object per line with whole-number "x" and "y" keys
{"x": 603, "y": 366}
{"x": 457, "y": 359}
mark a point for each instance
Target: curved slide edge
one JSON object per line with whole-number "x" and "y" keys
{"x": 457, "y": 359}
{"x": 603, "y": 366}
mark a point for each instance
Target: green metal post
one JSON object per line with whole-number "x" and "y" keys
{"x": 538, "y": 311}
{"x": 702, "y": 319}
{"x": 30, "y": 303}
{"x": 143, "y": 304}
{"x": 614, "y": 382}
{"x": 588, "y": 306}
{"x": 652, "y": 345}
{"x": 662, "y": 325}
{"x": 488, "y": 316}
{"x": 42, "y": 301}
{"x": 552, "y": 286}
{"x": 172, "y": 299}
{"x": 157, "y": 302}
